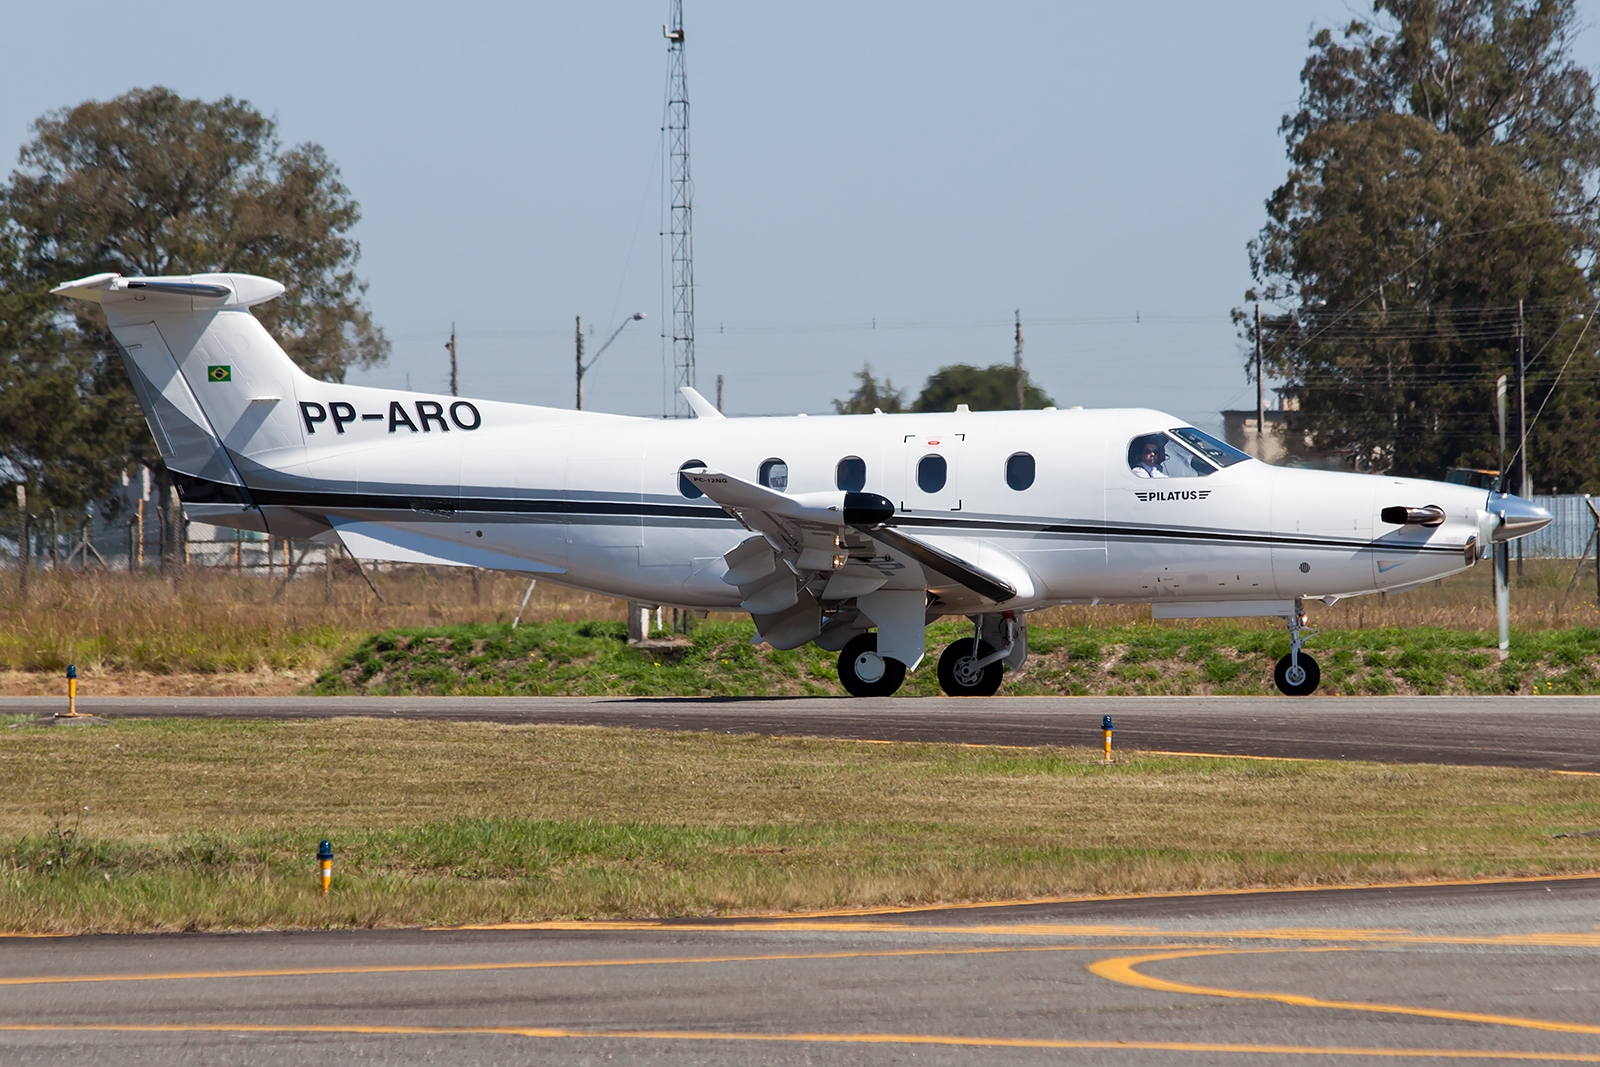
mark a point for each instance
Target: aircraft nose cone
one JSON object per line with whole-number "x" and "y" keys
{"x": 1518, "y": 517}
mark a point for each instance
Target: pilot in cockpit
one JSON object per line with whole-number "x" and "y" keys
{"x": 1148, "y": 456}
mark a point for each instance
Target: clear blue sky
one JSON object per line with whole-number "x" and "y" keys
{"x": 929, "y": 166}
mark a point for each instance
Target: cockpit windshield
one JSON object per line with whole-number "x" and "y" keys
{"x": 1219, "y": 453}
{"x": 1183, "y": 452}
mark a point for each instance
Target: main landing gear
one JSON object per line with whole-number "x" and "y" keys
{"x": 864, "y": 673}
{"x": 970, "y": 668}
{"x": 1297, "y": 674}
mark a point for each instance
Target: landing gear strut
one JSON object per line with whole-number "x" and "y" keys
{"x": 971, "y": 667}
{"x": 864, "y": 673}
{"x": 1297, "y": 674}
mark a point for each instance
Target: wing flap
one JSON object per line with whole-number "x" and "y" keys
{"x": 980, "y": 581}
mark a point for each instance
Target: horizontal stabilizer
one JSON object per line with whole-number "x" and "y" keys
{"x": 211, "y": 290}
{"x": 376, "y": 540}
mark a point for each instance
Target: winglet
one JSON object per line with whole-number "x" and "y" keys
{"x": 703, "y": 408}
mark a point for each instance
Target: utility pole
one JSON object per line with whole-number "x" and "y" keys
{"x": 1261, "y": 397}
{"x": 719, "y": 392}
{"x": 1500, "y": 414}
{"x": 578, "y": 342}
{"x": 1522, "y": 404}
{"x": 1522, "y": 420}
{"x": 584, "y": 368}
{"x": 451, "y": 348}
{"x": 1017, "y": 358}
{"x": 1500, "y": 550}
{"x": 681, "y": 236}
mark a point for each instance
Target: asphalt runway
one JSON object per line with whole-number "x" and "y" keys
{"x": 1556, "y": 733}
{"x": 1447, "y": 973}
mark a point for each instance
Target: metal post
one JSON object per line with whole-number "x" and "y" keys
{"x": 1502, "y": 596}
{"x": 133, "y": 538}
{"x": 517, "y": 619}
{"x": 138, "y": 512}
{"x": 24, "y": 543}
{"x": 328, "y": 552}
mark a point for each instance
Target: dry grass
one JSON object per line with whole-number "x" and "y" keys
{"x": 213, "y": 632}
{"x": 169, "y": 825}
{"x": 1539, "y": 601}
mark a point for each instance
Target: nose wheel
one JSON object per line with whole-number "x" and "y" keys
{"x": 1297, "y": 679}
{"x": 1297, "y": 674}
{"x": 864, "y": 673}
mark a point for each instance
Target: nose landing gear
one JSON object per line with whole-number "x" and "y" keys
{"x": 1297, "y": 674}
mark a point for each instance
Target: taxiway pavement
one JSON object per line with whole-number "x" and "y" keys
{"x": 1557, "y": 733}
{"x": 1448, "y": 973}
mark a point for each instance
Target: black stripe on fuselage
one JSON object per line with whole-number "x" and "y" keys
{"x": 444, "y": 507}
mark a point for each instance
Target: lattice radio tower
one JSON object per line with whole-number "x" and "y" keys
{"x": 681, "y": 231}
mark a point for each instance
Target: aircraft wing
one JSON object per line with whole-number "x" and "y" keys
{"x": 848, "y": 537}
{"x": 807, "y": 530}
{"x": 940, "y": 561}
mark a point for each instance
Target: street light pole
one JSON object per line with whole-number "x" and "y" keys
{"x": 583, "y": 368}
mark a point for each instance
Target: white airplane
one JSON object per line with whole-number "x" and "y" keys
{"x": 851, "y": 531}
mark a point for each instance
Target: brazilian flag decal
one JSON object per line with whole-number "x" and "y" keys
{"x": 220, "y": 374}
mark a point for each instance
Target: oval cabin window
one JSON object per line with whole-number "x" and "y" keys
{"x": 1019, "y": 471}
{"x": 851, "y": 474}
{"x": 775, "y": 475}
{"x": 685, "y": 486}
{"x": 931, "y": 473}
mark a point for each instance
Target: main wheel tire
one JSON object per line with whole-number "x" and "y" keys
{"x": 864, "y": 673}
{"x": 958, "y": 678}
{"x": 1304, "y": 681}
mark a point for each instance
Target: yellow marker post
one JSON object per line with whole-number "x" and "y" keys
{"x": 325, "y": 861}
{"x": 72, "y": 690}
{"x": 1105, "y": 725}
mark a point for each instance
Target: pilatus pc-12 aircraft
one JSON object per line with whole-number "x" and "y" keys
{"x": 850, "y": 531}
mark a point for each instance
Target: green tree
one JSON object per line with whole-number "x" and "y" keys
{"x": 154, "y": 183}
{"x": 59, "y": 417}
{"x": 870, "y": 396}
{"x": 1442, "y": 171}
{"x": 992, "y": 388}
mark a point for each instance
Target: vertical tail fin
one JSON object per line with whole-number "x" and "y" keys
{"x": 216, "y": 389}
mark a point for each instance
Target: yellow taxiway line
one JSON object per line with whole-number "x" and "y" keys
{"x": 1120, "y": 969}
{"x": 535, "y": 965}
{"x": 820, "y": 1037}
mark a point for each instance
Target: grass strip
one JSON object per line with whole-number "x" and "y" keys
{"x": 594, "y": 658}
{"x": 171, "y": 825}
